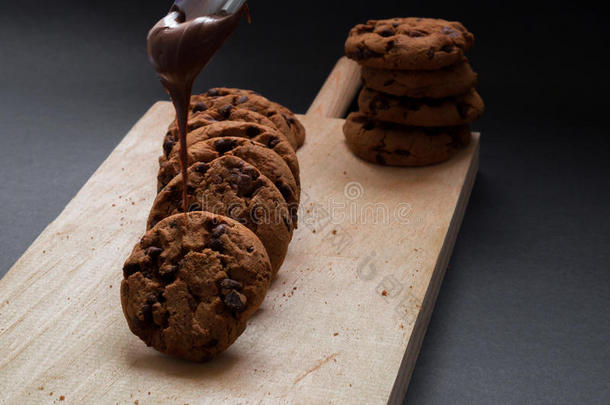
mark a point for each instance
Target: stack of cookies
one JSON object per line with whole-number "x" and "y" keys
{"x": 418, "y": 95}
{"x": 194, "y": 280}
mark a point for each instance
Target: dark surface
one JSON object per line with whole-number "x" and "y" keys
{"x": 523, "y": 313}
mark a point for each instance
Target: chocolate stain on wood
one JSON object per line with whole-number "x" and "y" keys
{"x": 315, "y": 367}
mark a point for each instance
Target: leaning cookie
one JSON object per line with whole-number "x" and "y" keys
{"x": 201, "y": 117}
{"x": 261, "y": 156}
{"x": 395, "y": 145}
{"x": 267, "y": 136}
{"x": 188, "y": 290}
{"x": 424, "y": 112}
{"x": 283, "y": 119}
{"x": 408, "y": 43}
{"x": 450, "y": 81}
{"x": 231, "y": 187}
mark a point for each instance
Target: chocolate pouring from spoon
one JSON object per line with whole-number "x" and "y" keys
{"x": 179, "y": 47}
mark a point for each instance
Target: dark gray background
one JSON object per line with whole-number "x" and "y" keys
{"x": 523, "y": 314}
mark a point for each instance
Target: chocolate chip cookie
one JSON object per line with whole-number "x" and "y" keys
{"x": 283, "y": 119}
{"x": 261, "y": 156}
{"x": 396, "y": 145}
{"x": 425, "y": 112}
{"x": 408, "y": 43}
{"x": 200, "y": 117}
{"x": 450, "y": 81}
{"x": 259, "y": 133}
{"x": 231, "y": 187}
{"x": 188, "y": 291}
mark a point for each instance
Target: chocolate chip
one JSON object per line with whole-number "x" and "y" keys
{"x": 289, "y": 120}
{"x": 153, "y": 252}
{"x": 450, "y": 32}
{"x": 201, "y": 168}
{"x": 252, "y": 131}
{"x": 168, "y": 145}
{"x": 285, "y": 191}
{"x": 130, "y": 268}
{"x": 380, "y": 160}
{"x": 218, "y": 231}
{"x": 244, "y": 182}
{"x": 231, "y": 284}
{"x": 223, "y": 145}
{"x": 235, "y": 301}
{"x": 213, "y": 92}
{"x": 199, "y": 107}
{"x": 447, "y": 48}
{"x": 273, "y": 142}
{"x": 225, "y": 110}
{"x": 386, "y": 32}
{"x": 144, "y": 313}
{"x": 242, "y": 99}
{"x": 431, "y": 53}
{"x": 389, "y": 46}
{"x": 250, "y": 249}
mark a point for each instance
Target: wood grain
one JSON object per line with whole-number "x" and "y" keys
{"x": 343, "y": 322}
{"x": 338, "y": 91}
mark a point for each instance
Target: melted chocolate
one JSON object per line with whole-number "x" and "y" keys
{"x": 179, "y": 47}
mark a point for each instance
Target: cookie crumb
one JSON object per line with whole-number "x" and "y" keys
{"x": 44, "y": 251}
{"x": 336, "y": 334}
{"x": 114, "y": 205}
{"x": 334, "y": 231}
{"x": 62, "y": 398}
{"x": 51, "y": 393}
{"x": 110, "y": 286}
{"x": 384, "y": 293}
{"x": 314, "y": 231}
{"x": 41, "y": 388}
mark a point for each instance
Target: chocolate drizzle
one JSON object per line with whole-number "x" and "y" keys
{"x": 179, "y": 47}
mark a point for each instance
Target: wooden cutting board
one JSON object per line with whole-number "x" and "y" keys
{"x": 343, "y": 322}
